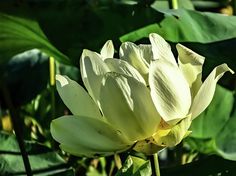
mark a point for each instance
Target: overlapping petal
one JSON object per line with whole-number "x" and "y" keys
{"x": 169, "y": 90}
{"x": 207, "y": 90}
{"x": 190, "y": 64}
{"x": 88, "y": 136}
{"x": 92, "y": 70}
{"x": 124, "y": 68}
{"x": 173, "y": 136}
{"x": 76, "y": 98}
{"x": 127, "y": 105}
{"x": 161, "y": 49}
{"x": 133, "y": 55}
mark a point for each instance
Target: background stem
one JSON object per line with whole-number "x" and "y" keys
{"x": 173, "y": 4}
{"x": 15, "y": 118}
{"x": 52, "y": 85}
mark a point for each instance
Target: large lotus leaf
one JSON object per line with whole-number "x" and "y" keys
{"x": 43, "y": 161}
{"x": 214, "y": 129}
{"x": 25, "y": 75}
{"x": 214, "y": 118}
{"x": 226, "y": 140}
{"x": 18, "y": 34}
{"x": 189, "y": 26}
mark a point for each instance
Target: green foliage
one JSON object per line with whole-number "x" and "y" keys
{"x": 62, "y": 29}
{"x": 22, "y": 72}
{"x": 43, "y": 160}
{"x": 135, "y": 166}
{"x": 213, "y": 129}
{"x": 188, "y": 26}
{"x": 20, "y": 34}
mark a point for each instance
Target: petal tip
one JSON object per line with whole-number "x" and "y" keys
{"x": 61, "y": 80}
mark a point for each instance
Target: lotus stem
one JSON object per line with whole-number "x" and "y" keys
{"x": 156, "y": 164}
{"x": 52, "y": 83}
{"x": 173, "y": 4}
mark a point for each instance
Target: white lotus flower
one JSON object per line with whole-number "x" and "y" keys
{"x": 120, "y": 111}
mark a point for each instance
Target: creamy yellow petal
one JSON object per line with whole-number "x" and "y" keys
{"x": 174, "y": 135}
{"x": 146, "y": 53}
{"x": 190, "y": 64}
{"x": 92, "y": 70}
{"x": 169, "y": 90}
{"x": 207, "y": 90}
{"x": 123, "y": 67}
{"x": 76, "y": 98}
{"x": 161, "y": 49}
{"x": 126, "y": 104}
{"x": 132, "y": 54}
{"x": 107, "y": 50}
{"x": 85, "y": 136}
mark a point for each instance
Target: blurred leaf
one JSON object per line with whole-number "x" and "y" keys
{"x": 208, "y": 166}
{"x": 205, "y": 146}
{"x": 25, "y": 75}
{"x": 226, "y": 140}
{"x": 96, "y": 22}
{"x": 43, "y": 161}
{"x": 214, "y": 118}
{"x": 214, "y": 130}
{"x": 135, "y": 166}
{"x": 183, "y": 4}
{"x": 19, "y": 34}
{"x": 189, "y": 26}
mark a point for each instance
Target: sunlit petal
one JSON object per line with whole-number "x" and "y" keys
{"x": 131, "y": 53}
{"x": 127, "y": 105}
{"x": 107, "y": 50}
{"x": 76, "y": 98}
{"x": 88, "y": 135}
{"x": 207, "y": 90}
{"x": 161, "y": 49}
{"x": 92, "y": 70}
{"x": 190, "y": 64}
{"x": 169, "y": 90}
{"x": 146, "y": 53}
{"x": 123, "y": 67}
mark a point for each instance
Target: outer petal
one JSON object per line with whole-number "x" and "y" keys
{"x": 190, "y": 64}
{"x": 126, "y": 104}
{"x": 169, "y": 90}
{"x": 207, "y": 90}
{"x": 146, "y": 53}
{"x": 131, "y": 53}
{"x": 92, "y": 70}
{"x": 107, "y": 50}
{"x": 174, "y": 135}
{"x": 87, "y": 136}
{"x": 161, "y": 49}
{"x": 123, "y": 67}
{"x": 76, "y": 98}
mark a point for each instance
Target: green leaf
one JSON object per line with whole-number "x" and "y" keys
{"x": 185, "y": 4}
{"x": 135, "y": 166}
{"x": 25, "y": 75}
{"x": 18, "y": 34}
{"x": 43, "y": 161}
{"x": 214, "y": 118}
{"x": 226, "y": 140}
{"x": 205, "y": 27}
{"x": 207, "y": 166}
